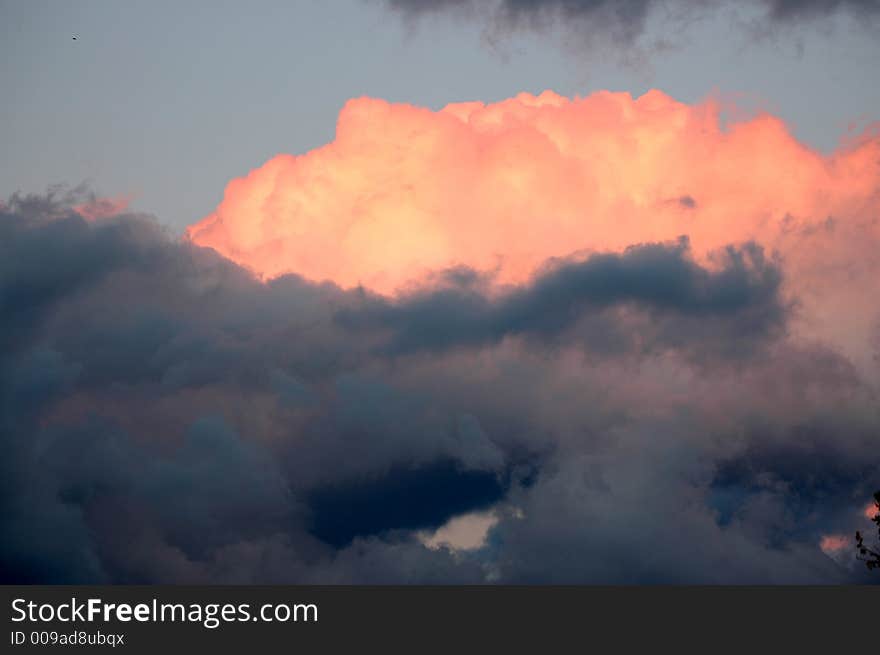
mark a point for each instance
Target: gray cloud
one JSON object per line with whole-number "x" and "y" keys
{"x": 165, "y": 417}
{"x": 793, "y": 9}
{"x": 623, "y": 23}
{"x": 741, "y": 298}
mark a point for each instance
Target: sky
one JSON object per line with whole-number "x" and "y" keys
{"x": 165, "y": 102}
{"x": 439, "y": 291}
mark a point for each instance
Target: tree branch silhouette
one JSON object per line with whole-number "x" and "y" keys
{"x": 870, "y": 556}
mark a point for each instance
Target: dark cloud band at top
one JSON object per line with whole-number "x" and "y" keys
{"x": 624, "y": 22}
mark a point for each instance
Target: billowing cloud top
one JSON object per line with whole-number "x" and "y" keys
{"x": 403, "y": 191}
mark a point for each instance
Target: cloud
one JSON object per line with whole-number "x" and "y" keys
{"x": 680, "y": 297}
{"x": 794, "y": 9}
{"x": 497, "y": 190}
{"x": 464, "y": 532}
{"x": 146, "y": 397}
{"x": 623, "y": 26}
{"x": 588, "y": 378}
{"x": 623, "y": 22}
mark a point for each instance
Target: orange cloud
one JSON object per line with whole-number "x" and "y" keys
{"x": 98, "y": 208}
{"x": 404, "y": 190}
{"x": 834, "y": 543}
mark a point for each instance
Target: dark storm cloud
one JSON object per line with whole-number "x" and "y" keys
{"x": 660, "y": 278}
{"x": 820, "y": 467}
{"x": 124, "y": 359}
{"x": 165, "y": 417}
